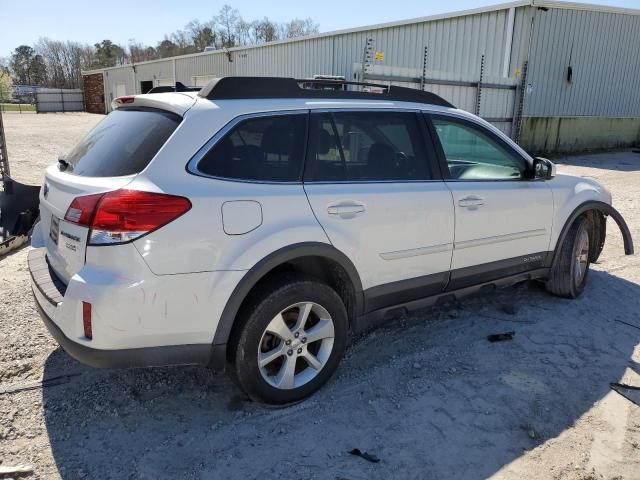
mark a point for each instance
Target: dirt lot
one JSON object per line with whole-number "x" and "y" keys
{"x": 429, "y": 396}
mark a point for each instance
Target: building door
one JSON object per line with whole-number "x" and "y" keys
{"x": 119, "y": 90}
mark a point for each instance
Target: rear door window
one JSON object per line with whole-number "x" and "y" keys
{"x": 122, "y": 144}
{"x": 266, "y": 148}
{"x": 366, "y": 146}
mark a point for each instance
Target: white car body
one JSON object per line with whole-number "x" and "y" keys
{"x": 161, "y": 299}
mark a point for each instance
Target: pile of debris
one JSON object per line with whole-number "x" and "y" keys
{"x": 18, "y": 205}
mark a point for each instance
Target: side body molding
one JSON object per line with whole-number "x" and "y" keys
{"x": 606, "y": 210}
{"x": 259, "y": 270}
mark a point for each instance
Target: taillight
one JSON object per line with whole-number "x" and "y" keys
{"x": 82, "y": 209}
{"x": 125, "y": 99}
{"x": 124, "y": 215}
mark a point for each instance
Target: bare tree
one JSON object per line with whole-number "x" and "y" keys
{"x": 64, "y": 62}
{"x": 202, "y": 35}
{"x": 60, "y": 64}
{"x": 226, "y": 23}
{"x": 138, "y": 52}
{"x": 265, "y": 31}
{"x": 300, "y": 28}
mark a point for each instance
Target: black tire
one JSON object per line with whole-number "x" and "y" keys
{"x": 248, "y": 339}
{"x": 564, "y": 280}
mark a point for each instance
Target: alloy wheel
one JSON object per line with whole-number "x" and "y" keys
{"x": 296, "y": 345}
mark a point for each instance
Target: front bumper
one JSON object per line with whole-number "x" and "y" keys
{"x": 49, "y": 294}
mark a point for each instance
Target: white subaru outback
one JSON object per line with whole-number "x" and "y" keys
{"x": 257, "y": 224}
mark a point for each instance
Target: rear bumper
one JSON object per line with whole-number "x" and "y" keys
{"x": 130, "y": 357}
{"x": 49, "y": 294}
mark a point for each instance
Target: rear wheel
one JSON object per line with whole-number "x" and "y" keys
{"x": 569, "y": 273}
{"x": 290, "y": 342}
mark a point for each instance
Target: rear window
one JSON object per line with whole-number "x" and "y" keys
{"x": 122, "y": 144}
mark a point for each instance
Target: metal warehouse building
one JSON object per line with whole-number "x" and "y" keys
{"x": 555, "y": 76}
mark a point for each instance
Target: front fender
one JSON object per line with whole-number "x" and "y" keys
{"x": 608, "y": 211}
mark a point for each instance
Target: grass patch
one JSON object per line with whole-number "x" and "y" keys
{"x": 12, "y": 107}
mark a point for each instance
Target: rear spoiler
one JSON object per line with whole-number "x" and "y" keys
{"x": 171, "y": 102}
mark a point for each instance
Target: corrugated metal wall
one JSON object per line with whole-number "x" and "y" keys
{"x": 153, "y": 71}
{"x": 603, "y": 50}
{"x": 112, "y": 77}
{"x": 455, "y": 48}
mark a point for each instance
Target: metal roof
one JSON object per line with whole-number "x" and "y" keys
{"x": 412, "y": 21}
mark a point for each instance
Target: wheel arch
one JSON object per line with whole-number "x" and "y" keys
{"x": 308, "y": 258}
{"x": 603, "y": 209}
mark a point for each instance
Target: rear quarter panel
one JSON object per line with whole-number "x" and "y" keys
{"x": 197, "y": 241}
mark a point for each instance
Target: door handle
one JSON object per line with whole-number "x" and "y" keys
{"x": 471, "y": 201}
{"x": 346, "y": 209}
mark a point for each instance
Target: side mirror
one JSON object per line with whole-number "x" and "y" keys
{"x": 543, "y": 168}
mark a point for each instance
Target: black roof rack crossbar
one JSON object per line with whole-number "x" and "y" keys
{"x": 178, "y": 87}
{"x": 236, "y": 88}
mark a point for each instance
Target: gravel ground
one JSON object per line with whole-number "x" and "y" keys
{"x": 429, "y": 396}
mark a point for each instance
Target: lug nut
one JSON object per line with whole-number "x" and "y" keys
{"x": 297, "y": 334}
{"x": 288, "y": 342}
{"x": 299, "y": 350}
{"x": 304, "y": 340}
{"x": 290, "y": 352}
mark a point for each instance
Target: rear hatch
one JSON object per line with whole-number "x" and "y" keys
{"x": 107, "y": 159}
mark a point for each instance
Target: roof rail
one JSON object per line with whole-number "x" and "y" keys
{"x": 235, "y": 88}
{"x": 178, "y": 87}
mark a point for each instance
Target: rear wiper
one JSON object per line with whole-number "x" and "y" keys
{"x": 63, "y": 164}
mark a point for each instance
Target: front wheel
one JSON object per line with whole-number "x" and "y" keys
{"x": 290, "y": 342}
{"x": 569, "y": 273}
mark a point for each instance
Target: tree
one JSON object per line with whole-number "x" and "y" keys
{"x": 167, "y": 48}
{"x": 141, "y": 53}
{"x": 64, "y": 62}
{"x": 5, "y": 84}
{"x": 202, "y": 35}
{"x": 264, "y": 31}
{"x": 60, "y": 64}
{"x": 300, "y": 28}
{"x": 227, "y": 25}
{"x": 109, "y": 54}
{"x": 38, "y": 71}
{"x": 20, "y": 63}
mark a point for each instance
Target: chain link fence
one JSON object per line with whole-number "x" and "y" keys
{"x": 12, "y": 101}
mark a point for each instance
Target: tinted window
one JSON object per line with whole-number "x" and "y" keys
{"x": 366, "y": 146}
{"x": 268, "y": 148}
{"x": 474, "y": 155}
{"x": 122, "y": 144}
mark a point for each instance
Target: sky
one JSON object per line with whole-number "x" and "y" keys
{"x": 147, "y": 21}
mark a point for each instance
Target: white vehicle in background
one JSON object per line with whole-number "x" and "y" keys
{"x": 256, "y": 225}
